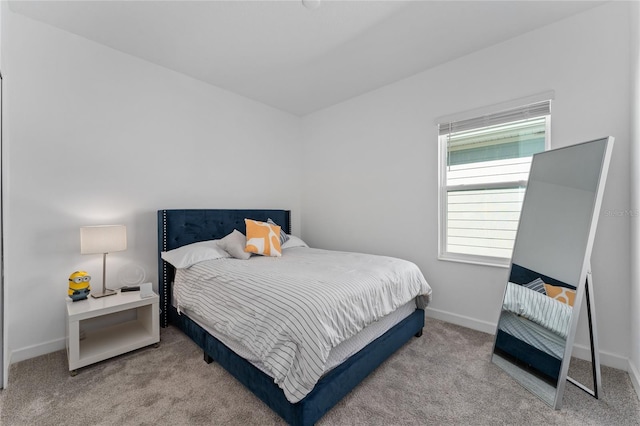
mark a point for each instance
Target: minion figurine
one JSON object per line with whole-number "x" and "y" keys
{"x": 79, "y": 285}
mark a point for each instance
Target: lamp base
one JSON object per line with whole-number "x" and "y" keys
{"x": 103, "y": 294}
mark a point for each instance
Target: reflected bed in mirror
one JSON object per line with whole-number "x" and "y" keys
{"x": 549, "y": 268}
{"x": 533, "y": 327}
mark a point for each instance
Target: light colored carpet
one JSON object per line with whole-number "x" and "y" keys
{"x": 443, "y": 378}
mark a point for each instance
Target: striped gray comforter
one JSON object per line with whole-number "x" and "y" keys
{"x": 539, "y": 308}
{"x": 291, "y": 310}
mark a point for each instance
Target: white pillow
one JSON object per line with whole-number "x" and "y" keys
{"x": 234, "y": 245}
{"x": 185, "y": 256}
{"x": 293, "y": 241}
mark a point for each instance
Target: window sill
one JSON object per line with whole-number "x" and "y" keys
{"x": 496, "y": 263}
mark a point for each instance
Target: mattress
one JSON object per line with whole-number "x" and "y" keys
{"x": 337, "y": 355}
{"x": 532, "y": 333}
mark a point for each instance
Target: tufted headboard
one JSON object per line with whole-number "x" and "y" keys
{"x": 521, "y": 275}
{"x": 177, "y": 228}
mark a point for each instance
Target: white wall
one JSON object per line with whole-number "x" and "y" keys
{"x": 371, "y": 163}
{"x": 634, "y": 337}
{"x": 95, "y": 136}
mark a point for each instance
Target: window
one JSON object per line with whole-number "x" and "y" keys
{"x": 485, "y": 164}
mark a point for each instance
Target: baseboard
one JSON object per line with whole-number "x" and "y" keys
{"x": 38, "y": 350}
{"x": 606, "y": 358}
{"x": 468, "y": 322}
{"x": 634, "y": 374}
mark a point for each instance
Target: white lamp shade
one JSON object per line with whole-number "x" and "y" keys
{"x": 103, "y": 239}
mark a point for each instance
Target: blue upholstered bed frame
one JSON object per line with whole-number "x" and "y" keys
{"x": 180, "y": 227}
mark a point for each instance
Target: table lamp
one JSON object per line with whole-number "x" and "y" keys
{"x": 103, "y": 239}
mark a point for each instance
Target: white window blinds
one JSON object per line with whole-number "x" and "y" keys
{"x": 538, "y": 109}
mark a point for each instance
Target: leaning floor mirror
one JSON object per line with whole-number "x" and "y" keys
{"x": 550, "y": 271}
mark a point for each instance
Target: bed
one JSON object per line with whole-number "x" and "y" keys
{"x": 178, "y": 228}
{"x": 533, "y": 325}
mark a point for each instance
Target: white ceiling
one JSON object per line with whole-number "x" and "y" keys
{"x": 293, "y": 58}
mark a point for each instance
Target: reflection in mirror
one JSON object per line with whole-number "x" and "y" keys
{"x": 533, "y": 327}
{"x": 550, "y": 262}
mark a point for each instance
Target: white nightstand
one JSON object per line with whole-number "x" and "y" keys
{"x": 110, "y": 326}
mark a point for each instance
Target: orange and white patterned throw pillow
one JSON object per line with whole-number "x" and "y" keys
{"x": 561, "y": 294}
{"x": 262, "y": 238}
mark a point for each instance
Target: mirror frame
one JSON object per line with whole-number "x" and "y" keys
{"x": 583, "y": 290}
